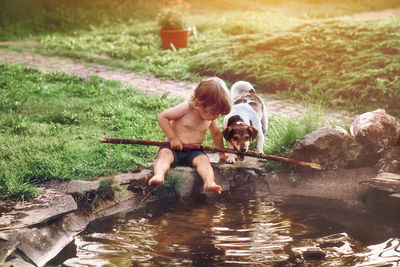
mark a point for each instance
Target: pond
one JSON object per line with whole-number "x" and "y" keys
{"x": 235, "y": 230}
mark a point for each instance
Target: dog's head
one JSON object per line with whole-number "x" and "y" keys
{"x": 240, "y": 136}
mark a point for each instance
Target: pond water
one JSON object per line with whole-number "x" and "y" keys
{"x": 234, "y": 231}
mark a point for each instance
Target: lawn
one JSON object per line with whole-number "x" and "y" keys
{"x": 51, "y": 123}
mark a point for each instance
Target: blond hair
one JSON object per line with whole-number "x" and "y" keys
{"x": 213, "y": 94}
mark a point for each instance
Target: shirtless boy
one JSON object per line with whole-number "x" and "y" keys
{"x": 187, "y": 123}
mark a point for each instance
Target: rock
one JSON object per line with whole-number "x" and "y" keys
{"x": 338, "y": 189}
{"x": 18, "y": 261}
{"x": 384, "y": 193}
{"x": 190, "y": 183}
{"x": 68, "y": 187}
{"x": 391, "y": 166}
{"x": 385, "y": 181}
{"x": 314, "y": 253}
{"x": 376, "y": 130}
{"x": 332, "y": 147}
{"x": 389, "y": 161}
{"x": 43, "y": 243}
{"x": 49, "y": 205}
{"x": 126, "y": 178}
{"x": 6, "y": 248}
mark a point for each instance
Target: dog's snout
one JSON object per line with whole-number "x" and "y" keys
{"x": 243, "y": 149}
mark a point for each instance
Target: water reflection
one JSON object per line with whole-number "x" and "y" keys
{"x": 250, "y": 232}
{"x": 226, "y": 232}
{"x": 384, "y": 254}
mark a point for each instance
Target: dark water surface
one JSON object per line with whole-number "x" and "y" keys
{"x": 234, "y": 231}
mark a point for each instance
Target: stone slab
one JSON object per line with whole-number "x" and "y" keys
{"x": 341, "y": 185}
{"x": 123, "y": 201}
{"x": 126, "y": 178}
{"x": 190, "y": 182}
{"x": 6, "y": 248}
{"x": 42, "y": 244}
{"x": 18, "y": 262}
{"x": 41, "y": 209}
{"x": 74, "y": 186}
{"x": 385, "y": 181}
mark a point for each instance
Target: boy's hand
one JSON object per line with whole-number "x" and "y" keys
{"x": 175, "y": 144}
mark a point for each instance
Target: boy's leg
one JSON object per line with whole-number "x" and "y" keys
{"x": 204, "y": 169}
{"x": 161, "y": 166}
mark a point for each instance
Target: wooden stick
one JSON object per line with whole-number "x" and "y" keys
{"x": 210, "y": 149}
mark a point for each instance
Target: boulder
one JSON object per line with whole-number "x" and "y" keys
{"x": 376, "y": 130}
{"x": 332, "y": 147}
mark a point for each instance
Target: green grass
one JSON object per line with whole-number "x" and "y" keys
{"x": 284, "y": 132}
{"x": 51, "y": 123}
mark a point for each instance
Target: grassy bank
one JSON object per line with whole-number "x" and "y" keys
{"x": 50, "y": 126}
{"x": 51, "y": 123}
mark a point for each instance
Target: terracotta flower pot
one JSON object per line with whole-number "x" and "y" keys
{"x": 179, "y": 38}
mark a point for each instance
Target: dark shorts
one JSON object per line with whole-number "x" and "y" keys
{"x": 184, "y": 157}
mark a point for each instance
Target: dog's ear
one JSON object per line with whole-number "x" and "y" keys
{"x": 226, "y": 132}
{"x": 253, "y": 132}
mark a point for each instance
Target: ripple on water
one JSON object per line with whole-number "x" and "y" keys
{"x": 229, "y": 232}
{"x": 384, "y": 254}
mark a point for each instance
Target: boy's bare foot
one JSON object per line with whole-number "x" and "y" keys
{"x": 156, "y": 180}
{"x": 213, "y": 187}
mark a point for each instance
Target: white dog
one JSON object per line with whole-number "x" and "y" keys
{"x": 247, "y": 120}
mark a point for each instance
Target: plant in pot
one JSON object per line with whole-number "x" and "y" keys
{"x": 172, "y": 19}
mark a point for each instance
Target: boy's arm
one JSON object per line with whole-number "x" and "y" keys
{"x": 217, "y": 138}
{"x": 164, "y": 120}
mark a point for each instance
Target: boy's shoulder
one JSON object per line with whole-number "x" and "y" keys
{"x": 184, "y": 106}
{"x": 177, "y": 111}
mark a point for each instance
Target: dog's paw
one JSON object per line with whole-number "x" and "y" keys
{"x": 231, "y": 159}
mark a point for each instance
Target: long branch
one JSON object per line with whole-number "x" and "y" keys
{"x": 211, "y": 149}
